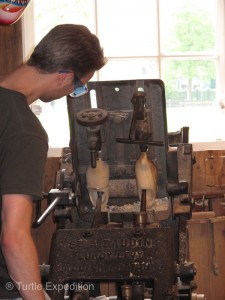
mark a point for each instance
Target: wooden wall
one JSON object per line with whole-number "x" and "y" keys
{"x": 209, "y": 171}
{"x": 209, "y": 180}
{"x": 206, "y": 248}
{"x": 11, "y": 47}
{"x": 206, "y": 234}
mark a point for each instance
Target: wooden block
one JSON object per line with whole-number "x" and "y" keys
{"x": 203, "y": 215}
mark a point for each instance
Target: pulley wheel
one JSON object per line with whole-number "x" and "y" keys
{"x": 92, "y": 116}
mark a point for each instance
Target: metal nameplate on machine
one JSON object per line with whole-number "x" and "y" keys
{"x": 116, "y": 254}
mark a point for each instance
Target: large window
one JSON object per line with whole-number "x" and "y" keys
{"x": 181, "y": 42}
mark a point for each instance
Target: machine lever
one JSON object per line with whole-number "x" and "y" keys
{"x": 45, "y": 214}
{"x": 128, "y": 141}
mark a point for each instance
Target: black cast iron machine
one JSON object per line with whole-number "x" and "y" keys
{"x": 122, "y": 198}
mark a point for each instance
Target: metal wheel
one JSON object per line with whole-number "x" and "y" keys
{"x": 92, "y": 117}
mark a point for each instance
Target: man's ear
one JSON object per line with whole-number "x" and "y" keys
{"x": 64, "y": 78}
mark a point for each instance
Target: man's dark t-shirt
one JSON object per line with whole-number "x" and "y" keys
{"x": 23, "y": 154}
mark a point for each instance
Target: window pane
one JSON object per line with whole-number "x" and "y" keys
{"x": 48, "y": 14}
{"x": 187, "y": 25}
{"x": 206, "y": 123}
{"x": 129, "y": 69}
{"x": 190, "y": 82}
{"x": 128, "y": 27}
{"x": 54, "y": 118}
{"x": 191, "y": 98}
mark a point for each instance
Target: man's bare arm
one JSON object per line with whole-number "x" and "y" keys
{"x": 18, "y": 247}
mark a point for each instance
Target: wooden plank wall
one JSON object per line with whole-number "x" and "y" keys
{"x": 206, "y": 236}
{"x": 11, "y": 47}
{"x": 209, "y": 171}
{"x": 206, "y": 247}
{"x": 209, "y": 180}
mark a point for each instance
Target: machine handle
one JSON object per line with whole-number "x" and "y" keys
{"x": 45, "y": 214}
{"x": 128, "y": 141}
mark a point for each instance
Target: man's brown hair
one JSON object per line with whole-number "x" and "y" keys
{"x": 68, "y": 47}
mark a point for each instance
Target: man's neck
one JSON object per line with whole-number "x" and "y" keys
{"x": 24, "y": 79}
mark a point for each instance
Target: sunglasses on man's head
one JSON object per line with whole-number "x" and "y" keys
{"x": 79, "y": 88}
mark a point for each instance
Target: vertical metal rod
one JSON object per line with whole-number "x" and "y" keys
{"x": 143, "y": 200}
{"x": 97, "y": 213}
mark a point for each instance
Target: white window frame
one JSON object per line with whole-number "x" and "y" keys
{"x": 28, "y": 45}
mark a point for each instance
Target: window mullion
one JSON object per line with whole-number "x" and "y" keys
{"x": 221, "y": 48}
{"x": 158, "y": 28}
